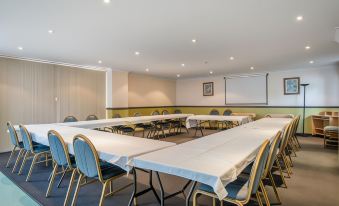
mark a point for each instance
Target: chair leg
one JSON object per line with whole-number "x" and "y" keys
{"x": 51, "y": 181}
{"x": 62, "y": 177}
{"x": 103, "y": 193}
{"x": 214, "y": 201}
{"x": 21, "y": 151}
{"x": 70, "y": 186}
{"x": 75, "y": 196}
{"x": 32, "y": 166}
{"x": 10, "y": 156}
{"x": 23, "y": 162}
{"x": 285, "y": 165}
{"x": 46, "y": 156}
{"x": 274, "y": 187}
{"x": 195, "y": 199}
{"x": 281, "y": 172}
{"x": 259, "y": 198}
{"x": 265, "y": 194}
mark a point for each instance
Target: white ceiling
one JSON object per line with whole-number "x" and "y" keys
{"x": 259, "y": 33}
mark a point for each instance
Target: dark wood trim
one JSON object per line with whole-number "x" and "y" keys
{"x": 223, "y": 106}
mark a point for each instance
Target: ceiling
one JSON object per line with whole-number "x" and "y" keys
{"x": 260, "y": 33}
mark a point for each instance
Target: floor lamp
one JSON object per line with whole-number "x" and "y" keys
{"x": 304, "y": 85}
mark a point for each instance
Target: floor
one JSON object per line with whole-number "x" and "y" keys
{"x": 315, "y": 181}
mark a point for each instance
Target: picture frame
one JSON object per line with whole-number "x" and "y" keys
{"x": 292, "y": 86}
{"x": 208, "y": 88}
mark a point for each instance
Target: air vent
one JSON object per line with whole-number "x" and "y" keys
{"x": 337, "y": 34}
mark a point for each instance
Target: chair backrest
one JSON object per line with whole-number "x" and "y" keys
{"x": 86, "y": 157}
{"x": 12, "y": 134}
{"x": 137, "y": 114}
{"x": 164, "y": 112}
{"x": 116, "y": 116}
{"x": 58, "y": 149}
{"x": 273, "y": 153}
{"x": 177, "y": 111}
{"x": 279, "y": 115}
{"x": 295, "y": 126}
{"x": 258, "y": 167}
{"x": 70, "y": 119}
{"x": 91, "y": 117}
{"x": 26, "y": 138}
{"x": 156, "y": 112}
{"x": 227, "y": 112}
{"x": 285, "y": 136}
{"x": 214, "y": 112}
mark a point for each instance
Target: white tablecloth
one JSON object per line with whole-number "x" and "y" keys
{"x": 123, "y": 121}
{"x": 192, "y": 120}
{"x": 114, "y": 148}
{"x": 217, "y": 159}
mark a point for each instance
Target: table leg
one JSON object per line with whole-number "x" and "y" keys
{"x": 190, "y": 193}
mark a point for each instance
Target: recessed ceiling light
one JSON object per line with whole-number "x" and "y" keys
{"x": 183, "y": 65}
{"x": 107, "y": 1}
{"x": 147, "y": 69}
{"x": 307, "y": 47}
{"x": 137, "y": 53}
{"x": 194, "y": 40}
{"x": 178, "y": 75}
{"x": 311, "y": 62}
{"x": 50, "y": 31}
{"x": 211, "y": 72}
{"x": 99, "y": 61}
{"x": 231, "y": 58}
{"x": 20, "y": 48}
{"x": 300, "y": 18}
{"x": 251, "y": 68}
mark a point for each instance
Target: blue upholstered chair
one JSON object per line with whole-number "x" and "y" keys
{"x": 122, "y": 129}
{"x": 91, "y": 117}
{"x": 33, "y": 150}
{"x": 241, "y": 190}
{"x": 213, "y": 124}
{"x": 16, "y": 143}
{"x": 143, "y": 126}
{"x": 89, "y": 165}
{"x": 331, "y": 134}
{"x": 70, "y": 119}
{"x": 159, "y": 126}
{"x": 177, "y": 111}
{"x": 60, "y": 157}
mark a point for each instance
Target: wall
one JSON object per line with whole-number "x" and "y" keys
{"x": 146, "y": 90}
{"x": 322, "y": 91}
{"x": 28, "y": 92}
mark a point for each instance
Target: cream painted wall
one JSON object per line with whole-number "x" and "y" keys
{"x": 322, "y": 91}
{"x": 119, "y": 89}
{"x": 146, "y": 90}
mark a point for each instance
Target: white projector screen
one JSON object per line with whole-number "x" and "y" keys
{"x": 246, "y": 89}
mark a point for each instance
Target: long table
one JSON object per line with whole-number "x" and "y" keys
{"x": 193, "y": 121}
{"x": 123, "y": 121}
{"x": 215, "y": 160}
{"x": 113, "y": 148}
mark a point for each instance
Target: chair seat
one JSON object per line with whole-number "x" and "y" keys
{"x": 236, "y": 190}
{"x": 109, "y": 170}
{"x": 144, "y": 126}
{"x": 37, "y": 148}
{"x": 331, "y": 129}
{"x": 126, "y": 129}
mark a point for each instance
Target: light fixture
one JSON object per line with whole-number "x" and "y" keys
{"x": 137, "y": 53}
{"x": 300, "y": 18}
{"x": 107, "y": 1}
{"x": 147, "y": 69}
{"x": 311, "y": 62}
{"x": 99, "y": 61}
{"x": 194, "y": 41}
{"x": 251, "y": 68}
{"x": 178, "y": 75}
{"x": 20, "y": 48}
{"x": 183, "y": 65}
{"x": 211, "y": 72}
{"x": 231, "y": 58}
{"x": 307, "y": 47}
{"x": 50, "y": 31}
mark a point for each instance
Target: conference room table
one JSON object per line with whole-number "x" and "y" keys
{"x": 123, "y": 121}
{"x": 113, "y": 148}
{"x": 215, "y": 160}
{"x": 193, "y": 121}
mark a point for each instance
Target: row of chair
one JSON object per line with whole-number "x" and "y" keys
{"x": 74, "y": 119}
{"x": 251, "y": 182}
{"x": 85, "y": 162}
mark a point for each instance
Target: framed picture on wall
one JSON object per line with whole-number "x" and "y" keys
{"x": 208, "y": 89}
{"x": 291, "y": 85}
